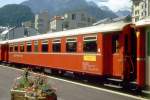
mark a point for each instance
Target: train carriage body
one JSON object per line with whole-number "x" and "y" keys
{"x": 98, "y": 58}
{"x": 108, "y": 50}
{"x": 4, "y": 50}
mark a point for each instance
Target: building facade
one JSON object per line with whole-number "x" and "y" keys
{"x": 56, "y": 23}
{"x": 42, "y": 22}
{"x": 140, "y": 9}
{"x": 71, "y": 20}
{"x": 77, "y": 20}
{"x": 19, "y": 32}
{"x": 28, "y": 24}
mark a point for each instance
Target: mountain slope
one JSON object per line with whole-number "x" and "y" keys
{"x": 123, "y": 13}
{"x": 59, "y": 7}
{"x": 14, "y": 15}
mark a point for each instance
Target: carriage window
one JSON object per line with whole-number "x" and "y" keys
{"x": 45, "y": 46}
{"x": 29, "y": 47}
{"x": 115, "y": 43}
{"x": 56, "y": 45}
{"x": 22, "y": 47}
{"x": 36, "y": 46}
{"x": 90, "y": 44}
{"x": 11, "y": 49}
{"x": 71, "y": 45}
{"x": 16, "y": 48}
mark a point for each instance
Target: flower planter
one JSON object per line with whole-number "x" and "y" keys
{"x": 32, "y": 88}
{"x": 17, "y": 95}
{"x": 40, "y": 98}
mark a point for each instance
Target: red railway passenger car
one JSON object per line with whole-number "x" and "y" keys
{"x": 107, "y": 50}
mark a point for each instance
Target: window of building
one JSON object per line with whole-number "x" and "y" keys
{"x": 65, "y": 25}
{"x": 29, "y": 47}
{"x": 83, "y": 18}
{"x": 71, "y": 45}
{"x": 89, "y": 20}
{"x": 21, "y": 47}
{"x": 26, "y": 33}
{"x": 36, "y": 46}
{"x": 73, "y": 16}
{"x": 136, "y": 19}
{"x": 148, "y": 43}
{"x": 45, "y": 46}
{"x": 90, "y": 44}
{"x": 56, "y": 45}
{"x": 136, "y": 4}
{"x": 115, "y": 43}
{"x": 142, "y": 7}
{"x": 136, "y": 12}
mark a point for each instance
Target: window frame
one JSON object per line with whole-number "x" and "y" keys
{"x": 86, "y": 38}
{"x": 11, "y": 46}
{"x": 22, "y": 45}
{"x": 115, "y": 43}
{"x": 36, "y": 43}
{"x": 16, "y": 45}
{"x": 71, "y": 40}
{"x": 56, "y": 41}
{"x": 29, "y": 43}
{"x": 44, "y": 42}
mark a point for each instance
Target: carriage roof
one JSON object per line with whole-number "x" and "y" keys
{"x": 103, "y": 28}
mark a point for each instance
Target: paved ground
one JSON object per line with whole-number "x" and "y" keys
{"x": 65, "y": 90}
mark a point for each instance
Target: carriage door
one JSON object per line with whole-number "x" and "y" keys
{"x": 117, "y": 56}
{"x": 130, "y": 46}
{"x": 4, "y": 52}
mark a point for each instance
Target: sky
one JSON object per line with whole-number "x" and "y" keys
{"x": 114, "y": 5}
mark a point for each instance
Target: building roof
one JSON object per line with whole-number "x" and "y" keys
{"x": 111, "y": 20}
{"x": 57, "y": 18}
{"x": 104, "y": 28}
{"x": 6, "y": 31}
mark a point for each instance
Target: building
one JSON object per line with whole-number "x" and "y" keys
{"x": 28, "y": 24}
{"x": 112, "y": 20}
{"x": 42, "y": 22}
{"x": 79, "y": 19}
{"x": 3, "y": 29}
{"x": 140, "y": 9}
{"x": 19, "y": 32}
{"x": 71, "y": 20}
{"x": 56, "y": 23}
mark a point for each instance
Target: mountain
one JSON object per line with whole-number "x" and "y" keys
{"x": 59, "y": 7}
{"x": 104, "y": 8}
{"x": 14, "y": 15}
{"x": 123, "y": 13}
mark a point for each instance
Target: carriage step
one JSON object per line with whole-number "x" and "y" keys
{"x": 115, "y": 80}
{"x": 113, "y": 86}
{"x": 133, "y": 82}
{"x": 146, "y": 92}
